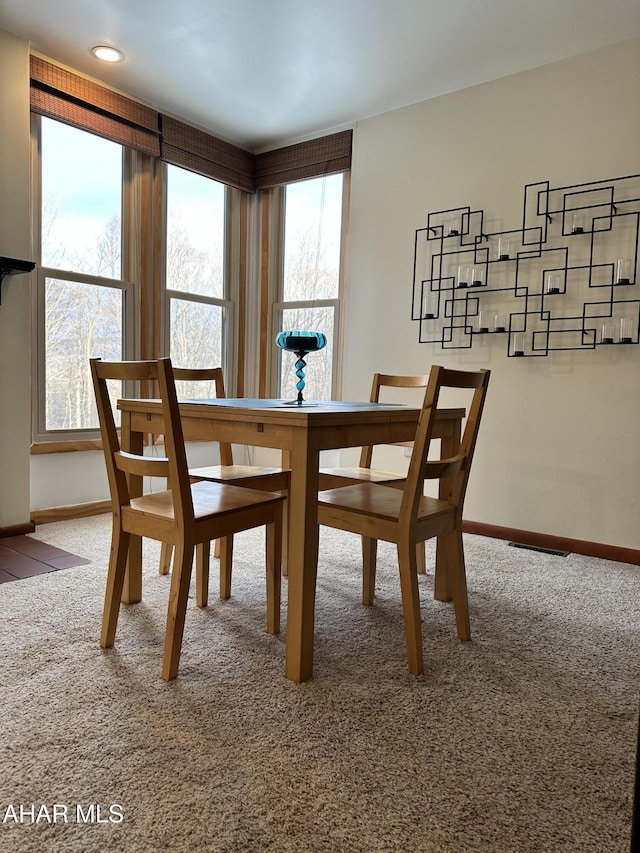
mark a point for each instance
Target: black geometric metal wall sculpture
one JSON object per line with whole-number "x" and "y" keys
{"x": 565, "y": 280}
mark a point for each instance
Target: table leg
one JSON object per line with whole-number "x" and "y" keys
{"x": 285, "y": 462}
{"x": 132, "y": 591}
{"x": 303, "y": 555}
{"x": 450, "y": 445}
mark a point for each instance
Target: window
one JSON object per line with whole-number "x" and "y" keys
{"x": 84, "y": 307}
{"x": 147, "y": 244}
{"x": 198, "y": 315}
{"x": 91, "y": 298}
{"x": 311, "y": 280}
{"x": 81, "y": 201}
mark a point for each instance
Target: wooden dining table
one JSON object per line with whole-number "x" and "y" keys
{"x": 300, "y": 432}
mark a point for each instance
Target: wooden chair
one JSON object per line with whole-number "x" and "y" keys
{"x": 406, "y": 517}
{"x": 187, "y": 516}
{"x": 335, "y": 478}
{"x": 247, "y": 476}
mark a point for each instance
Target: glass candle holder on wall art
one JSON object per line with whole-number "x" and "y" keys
{"x": 500, "y": 323}
{"x": 607, "y": 333}
{"x": 577, "y": 223}
{"x": 477, "y": 276}
{"x": 463, "y": 277}
{"x": 518, "y": 344}
{"x": 553, "y": 283}
{"x": 623, "y": 271}
{"x": 428, "y": 305}
{"x": 485, "y": 321}
{"x": 504, "y": 248}
{"x": 626, "y": 330}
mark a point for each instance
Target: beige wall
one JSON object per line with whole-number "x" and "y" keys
{"x": 558, "y": 452}
{"x": 14, "y": 310}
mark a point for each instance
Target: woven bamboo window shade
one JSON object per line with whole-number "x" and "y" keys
{"x": 313, "y": 159}
{"x": 183, "y": 145}
{"x": 63, "y": 95}
{"x": 60, "y": 94}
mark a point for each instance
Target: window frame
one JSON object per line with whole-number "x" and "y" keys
{"x": 277, "y": 311}
{"x": 280, "y": 305}
{"x": 228, "y": 322}
{"x": 150, "y": 140}
{"x": 40, "y": 431}
{"x": 41, "y": 435}
{"x": 227, "y": 302}
{"x": 144, "y": 280}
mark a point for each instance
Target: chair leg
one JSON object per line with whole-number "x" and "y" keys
{"x": 203, "y": 556}
{"x": 176, "y": 611}
{"x": 115, "y": 583}
{"x": 421, "y": 557}
{"x": 274, "y": 571}
{"x": 226, "y": 564}
{"x": 216, "y": 549}
{"x": 442, "y": 580}
{"x": 166, "y": 552}
{"x": 411, "y": 605}
{"x": 452, "y": 543}
{"x": 369, "y": 554}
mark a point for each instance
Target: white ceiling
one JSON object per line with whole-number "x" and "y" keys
{"x": 265, "y": 72}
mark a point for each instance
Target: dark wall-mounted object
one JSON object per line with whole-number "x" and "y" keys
{"x": 12, "y": 266}
{"x": 565, "y": 280}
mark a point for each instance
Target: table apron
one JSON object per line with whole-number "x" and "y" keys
{"x": 264, "y": 434}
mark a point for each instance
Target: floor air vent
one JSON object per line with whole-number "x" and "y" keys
{"x": 553, "y": 551}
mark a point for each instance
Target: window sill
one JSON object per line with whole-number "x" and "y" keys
{"x": 70, "y": 446}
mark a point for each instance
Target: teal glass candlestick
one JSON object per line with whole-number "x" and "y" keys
{"x": 301, "y": 343}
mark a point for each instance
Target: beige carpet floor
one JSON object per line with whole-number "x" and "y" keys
{"x": 522, "y": 740}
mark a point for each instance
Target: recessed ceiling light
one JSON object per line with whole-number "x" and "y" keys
{"x": 107, "y": 53}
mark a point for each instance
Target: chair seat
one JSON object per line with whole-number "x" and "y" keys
{"x": 334, "y": 478}
{"x": 247, "y": 475}
{"x": 380, "y": 501}
{"x": 208, "y": 499}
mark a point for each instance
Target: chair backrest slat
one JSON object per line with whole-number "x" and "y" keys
{"x": 456, "y": 470}
{"x": 208, "y": 374}
{"x": 201, "y": 374}
{"x": 143, "y": 466}
{"x": 389, "y": 380}
{"x": 126, "y": 371}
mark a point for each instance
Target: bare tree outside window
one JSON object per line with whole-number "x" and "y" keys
{"x": 81, "y": 236}
{"x": 81, "y": 322}
{"x": 85, "y": 307}
{"x": 195, "y": 268}
{"x": 311, "y": 281}
{"x": 83, "y": 296}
